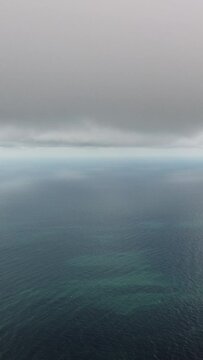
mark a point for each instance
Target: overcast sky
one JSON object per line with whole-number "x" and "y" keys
{"x": 101, "y": 73}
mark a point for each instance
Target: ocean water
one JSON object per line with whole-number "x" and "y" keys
{"x": 101, "y": 259}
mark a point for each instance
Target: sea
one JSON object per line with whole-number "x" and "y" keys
{"x": 101, "y": 259}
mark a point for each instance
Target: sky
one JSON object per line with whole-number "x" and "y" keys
{"x": 101, "y": 74}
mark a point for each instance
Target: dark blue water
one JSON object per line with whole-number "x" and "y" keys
{"x": 101, "y": 260}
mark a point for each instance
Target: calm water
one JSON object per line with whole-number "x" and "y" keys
{"x": 101, "y": 260}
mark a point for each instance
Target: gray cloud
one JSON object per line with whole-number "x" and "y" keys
{"x": 105, "y": 72}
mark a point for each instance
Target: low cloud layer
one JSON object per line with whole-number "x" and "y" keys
{"x": 94, "y": 135}
{"x": 110, "y": 73}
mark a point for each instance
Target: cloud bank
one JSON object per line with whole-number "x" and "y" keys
{"x": 101, "y": 73}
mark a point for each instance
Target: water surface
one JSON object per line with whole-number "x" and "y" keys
{"x": 101, "y": 260}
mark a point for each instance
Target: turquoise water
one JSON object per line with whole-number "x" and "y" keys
{"x": 101, "y": 260}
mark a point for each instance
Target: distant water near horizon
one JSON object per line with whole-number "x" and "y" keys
{"x": 101, "y": 259}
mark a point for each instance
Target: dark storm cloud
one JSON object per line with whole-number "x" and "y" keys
{"x": 101, "y": 72}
